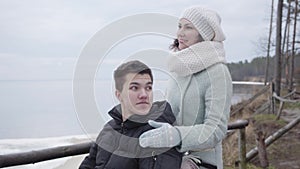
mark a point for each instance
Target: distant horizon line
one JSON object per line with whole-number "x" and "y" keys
{"x": 11, "y": 80}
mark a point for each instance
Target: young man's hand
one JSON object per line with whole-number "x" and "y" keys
{"x": 164, "y": 135}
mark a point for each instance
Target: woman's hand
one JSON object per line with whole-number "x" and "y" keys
{"x": 164, "y": 135}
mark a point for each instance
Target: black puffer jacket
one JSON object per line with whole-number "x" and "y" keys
{"x": 117, "y": 146}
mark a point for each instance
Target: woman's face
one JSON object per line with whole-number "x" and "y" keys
{"x": 187, "y": 34}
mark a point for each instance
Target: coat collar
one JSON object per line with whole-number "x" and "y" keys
{"x": 160, "y": 111}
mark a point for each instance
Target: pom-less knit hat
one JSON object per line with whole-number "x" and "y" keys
{"x": 206, "y": 21}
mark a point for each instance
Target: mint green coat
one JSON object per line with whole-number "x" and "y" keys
{"x": 201, "y": 103}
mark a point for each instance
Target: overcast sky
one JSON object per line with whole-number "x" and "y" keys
{"x": 42, "y": 39}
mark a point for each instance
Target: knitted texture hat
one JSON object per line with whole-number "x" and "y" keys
{"x": 206, "y": 21}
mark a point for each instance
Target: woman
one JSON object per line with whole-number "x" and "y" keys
{"x": 199, "y": 93}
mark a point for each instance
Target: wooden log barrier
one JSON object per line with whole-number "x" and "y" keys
{"x": 43, "y": 155}
{"x": 282, "y": 101}
{"x": 32, "y": 157}
{"x": 252, "y": 153}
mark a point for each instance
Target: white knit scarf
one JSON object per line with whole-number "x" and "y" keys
{"x": 196, "y": 58}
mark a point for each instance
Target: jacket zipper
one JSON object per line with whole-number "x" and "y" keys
{"x": 122, "y": 127}
{"x": 154, "y": 159}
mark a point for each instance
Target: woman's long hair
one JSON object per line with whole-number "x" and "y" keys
{"x": 174, "y": 45}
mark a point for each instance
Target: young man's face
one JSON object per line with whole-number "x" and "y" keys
{"x": 137, "y": 95}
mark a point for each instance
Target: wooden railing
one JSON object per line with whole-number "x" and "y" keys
{"x": 284, "y": 100}
{"x": 32, "y": 157}
{"x": 36, "y": 156}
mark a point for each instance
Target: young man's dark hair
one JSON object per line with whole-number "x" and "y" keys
{"x": 135, "y": 66}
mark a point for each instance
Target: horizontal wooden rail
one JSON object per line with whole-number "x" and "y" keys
{"x": 284, "y": 100}
{"x": 43, "y": 155}
{"x": 239, "y": 124}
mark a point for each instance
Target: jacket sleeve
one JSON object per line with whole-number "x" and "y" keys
{"x": 89, "y": 161}
{"x": 171, "y": 159}
{"x": 217, "y": 108}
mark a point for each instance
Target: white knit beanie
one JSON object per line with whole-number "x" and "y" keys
{"x": 206, "y": 21}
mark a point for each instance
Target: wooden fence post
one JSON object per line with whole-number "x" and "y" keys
{"x": 240, "y": 125}
{"x": 279, "y": 110}
{"x": 261, "y": 146}
{"x": 272, "y": 98}
{"x": 242, "y": 149}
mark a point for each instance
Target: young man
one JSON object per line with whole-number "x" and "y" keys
{"x": 117, "y": 146}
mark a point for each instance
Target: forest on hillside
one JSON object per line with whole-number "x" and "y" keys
{"x": 256, "y": 69}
